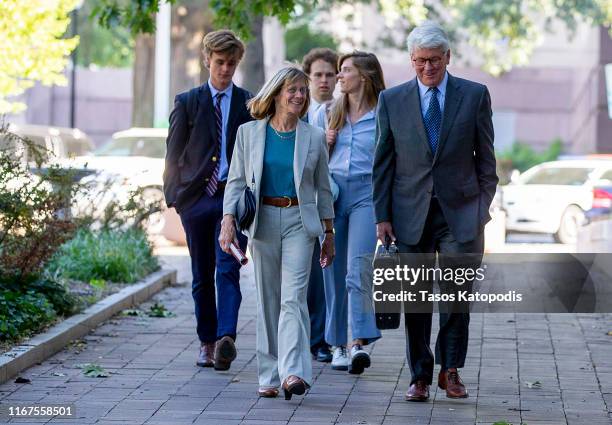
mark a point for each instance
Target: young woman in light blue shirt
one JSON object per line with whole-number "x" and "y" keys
{"x": 351, "y": 139}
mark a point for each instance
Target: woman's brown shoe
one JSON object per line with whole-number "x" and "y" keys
{"x": 267, "y": 392}
{"x": 294, "y": 385}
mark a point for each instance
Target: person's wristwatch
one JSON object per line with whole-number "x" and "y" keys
{"x": 329, "y": 232}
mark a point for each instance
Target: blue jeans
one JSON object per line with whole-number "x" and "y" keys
{"x": 355, "y": 227}
{"x": 202, "y": 223}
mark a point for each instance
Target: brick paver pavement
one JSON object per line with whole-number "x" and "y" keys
{"x": 153, "y": 378}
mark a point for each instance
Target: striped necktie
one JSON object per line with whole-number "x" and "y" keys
{"x": 213, "y": 183}
{"x": 433, "y": 120}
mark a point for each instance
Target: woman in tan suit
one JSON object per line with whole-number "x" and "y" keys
{"x": 284, "y": 161}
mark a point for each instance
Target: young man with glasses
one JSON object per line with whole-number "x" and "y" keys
{"x": 321, "y": 65}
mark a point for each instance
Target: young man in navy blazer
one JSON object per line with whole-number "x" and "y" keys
{"x": 203, "y": 126}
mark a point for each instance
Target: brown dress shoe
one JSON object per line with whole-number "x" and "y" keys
{"x": 442, "y": 380}
{"x": 451, "y": 382}
{"x": 294, "y": 385}
{"x": 225, "y": 353}
{"x": 267, "y": 392}
{"x": 206, "y": 356}
{"x": 419, "y": 391}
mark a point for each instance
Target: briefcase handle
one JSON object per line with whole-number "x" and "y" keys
{"x": 390, "y": 246}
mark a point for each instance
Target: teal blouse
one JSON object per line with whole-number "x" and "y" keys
{"x": 277, "y": 175}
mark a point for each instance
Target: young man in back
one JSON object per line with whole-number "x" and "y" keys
{"x": 321, "y": 66}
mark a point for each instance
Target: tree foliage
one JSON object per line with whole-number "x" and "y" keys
{"x": 505, "y": 32}
{"x": 105, "y": 47}
{"x": 139, "y": 15}
{"x": 300, "y": 39}
{"x": 33, "y": 49}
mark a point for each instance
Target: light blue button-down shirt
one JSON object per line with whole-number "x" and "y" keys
{"x": 426, "y": 96}
{"x": 226, "y": 101}
{"x": 354, "y": 149}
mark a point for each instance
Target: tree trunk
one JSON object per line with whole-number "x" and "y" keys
{"x": 191, "y": 20}
{"x": 252, "y": 66}
{"x": 143, "y": 81}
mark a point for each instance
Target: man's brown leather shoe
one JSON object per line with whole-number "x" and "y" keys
{"x": 225, "y": 353}
{"x": 206, "y": 356}
{"x": 419, "y": 391}
{"x": 451, "y": 382}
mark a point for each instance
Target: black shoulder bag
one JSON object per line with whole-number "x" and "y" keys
{"x": 246, "y": 207}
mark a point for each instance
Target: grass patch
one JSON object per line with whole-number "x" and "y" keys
{"x": 115, "y": 256}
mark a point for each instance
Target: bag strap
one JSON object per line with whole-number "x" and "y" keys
{"x": 193, "y": 104}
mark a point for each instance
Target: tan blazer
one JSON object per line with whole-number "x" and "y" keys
{"x": 310, "y": 173}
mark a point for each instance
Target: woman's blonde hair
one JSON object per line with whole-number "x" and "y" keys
{"x": 369, "y": 68}
{"x": 262, "y": 105}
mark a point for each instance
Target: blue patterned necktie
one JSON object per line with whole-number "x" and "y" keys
{"x": 213, "y": 183}
{"x": 433, "y": 120}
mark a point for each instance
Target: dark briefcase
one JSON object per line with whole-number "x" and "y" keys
{"x": 386, "y": 256}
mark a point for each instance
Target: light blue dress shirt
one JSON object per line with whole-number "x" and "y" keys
{"x": 354, "y": 149}
{"x": 311, "y": 115}
{"x": 226, "y": 101}
{"x": 426, "y": 96}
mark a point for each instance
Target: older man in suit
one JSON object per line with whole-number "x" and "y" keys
{"x": 433, "y": 182}
{"x": 203, "y": 126}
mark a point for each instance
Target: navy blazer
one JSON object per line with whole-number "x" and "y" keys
{"x": 190, "y": 156}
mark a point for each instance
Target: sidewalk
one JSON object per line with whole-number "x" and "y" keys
{"x": 154, "y": 379}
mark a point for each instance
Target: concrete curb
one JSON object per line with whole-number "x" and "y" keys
{"x": 44, "y": 345}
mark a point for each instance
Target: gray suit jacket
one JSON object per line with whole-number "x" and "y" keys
{"x": 310, "y": 173}
{"x": 462, "y": 172}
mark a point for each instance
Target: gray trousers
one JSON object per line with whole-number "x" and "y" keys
{"x": 282, "y": 255}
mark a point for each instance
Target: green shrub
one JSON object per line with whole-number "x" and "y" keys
{"x": 34, "y": 196}
{"x": 522, "y": 156}
{"x": 116, "y": 256}
{"x": 28, "y": 306}
{"x": 22, "y": 314}
{"x": 64, "y": 303}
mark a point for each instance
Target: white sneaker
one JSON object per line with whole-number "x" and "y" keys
{"x": 359, "y": 360}
{"x": 339, "y": 359}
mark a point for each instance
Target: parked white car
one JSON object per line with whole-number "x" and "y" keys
{"x": 60, "y": 142}
{"x": 552, "y": 197}
{"x": 136, "y": 156}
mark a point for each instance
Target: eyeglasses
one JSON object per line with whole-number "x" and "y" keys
{"x": 435, "y": 61}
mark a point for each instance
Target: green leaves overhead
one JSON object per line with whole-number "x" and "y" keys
{"x": 137, "y": 15}
{"x": 236, "y": 14}
{"x": 504, "y": 32}
{"x": 33, "y": 49}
